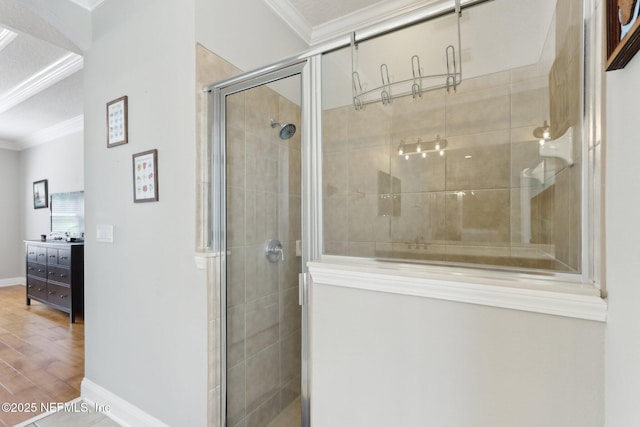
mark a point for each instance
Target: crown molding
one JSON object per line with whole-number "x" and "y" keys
{"x": 88, "y": 4}
{"x": 294, "y": 19}
{"x": 365, "y": 17}
{"x": 59, "y": 70}
{"x": 67, "y": 127}
{"x": 6, "y": 37}
{"x": 9, "y": 145}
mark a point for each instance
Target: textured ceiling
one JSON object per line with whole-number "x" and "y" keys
{"x": 41, "y": 86}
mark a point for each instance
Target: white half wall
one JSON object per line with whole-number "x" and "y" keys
{"x": 390, "y": 360}
{"x": 623, "y": 246}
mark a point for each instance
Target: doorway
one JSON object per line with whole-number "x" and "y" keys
{"x": 258, "y": 226}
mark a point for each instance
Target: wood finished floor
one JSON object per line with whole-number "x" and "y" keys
{"x": 41, "y": 354}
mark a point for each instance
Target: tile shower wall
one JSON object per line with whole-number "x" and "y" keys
{"x": 464, "y": 206}
{"x": 263, "y": 202}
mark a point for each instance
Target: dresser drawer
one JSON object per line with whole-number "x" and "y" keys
{"x": 35, "y": 269}
{"x": 59, "y": 295}
{"x": 32, "y": 254}
{"x": 59, "y": 274}
{"x": 52, "y": 256}
{"x": 41, "y": 254}
{"x": 36, "y": 288}
{"x": 64, "y": 257}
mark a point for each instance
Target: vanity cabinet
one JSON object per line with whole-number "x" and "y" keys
{"x": 55, "y": 275}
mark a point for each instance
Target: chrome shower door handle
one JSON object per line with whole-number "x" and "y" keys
{"x": 273, "y": 250}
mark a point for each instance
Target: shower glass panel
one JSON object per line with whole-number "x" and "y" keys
{"x": 263, "y": 333}
{"x": 488, "y": 173}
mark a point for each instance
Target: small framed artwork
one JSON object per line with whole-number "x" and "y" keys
{"x": 145, "y": 176}
{"x": 622, "y": 32}
{"x": 117, "y": 122}
{"x": 41, "y": 194}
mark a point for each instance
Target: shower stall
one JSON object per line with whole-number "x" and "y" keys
{"x": 257, "y": 178}
{"x": 381, "y": 149}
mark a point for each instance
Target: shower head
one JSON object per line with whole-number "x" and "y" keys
{"x": 287, "y": 130}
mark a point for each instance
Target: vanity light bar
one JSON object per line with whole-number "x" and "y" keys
{"x": 422, "y": 148}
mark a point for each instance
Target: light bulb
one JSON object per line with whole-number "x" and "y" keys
{"x": 546, "y": 134}
{"x": 418, "y": 148}
{"x": 541, "y": 142}
{"x": 406, "y": 157}
{"x": 442, "y": 152}
{"x": 424, "y": 155}
{"x": 438, "y": 146}
{"x": 400, "y": 151}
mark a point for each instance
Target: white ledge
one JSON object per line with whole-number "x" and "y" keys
{"x": 517, "y": 292}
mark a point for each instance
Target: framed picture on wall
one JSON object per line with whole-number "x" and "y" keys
{"x": 145, "y": 176}
{"x": 622, "y": 32}
{"x": 41, "y": 194}
{"x": 117, "y": 122}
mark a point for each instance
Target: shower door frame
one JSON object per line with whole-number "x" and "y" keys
{"x": 308, "y": 70}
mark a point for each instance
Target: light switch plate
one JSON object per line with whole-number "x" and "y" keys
{"x": 104, "y": 233}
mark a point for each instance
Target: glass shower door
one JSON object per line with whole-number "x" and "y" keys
{"x": 263, "y": 263}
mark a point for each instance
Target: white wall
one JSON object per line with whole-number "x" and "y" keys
{"x": 11, "y": 247}
{"x": 246, "y": 33}
{"x": 61, "y": 162}
{"x": 623, "y": 247}
{"x": 389, "y": 360}
{"x": 145, "y": 301}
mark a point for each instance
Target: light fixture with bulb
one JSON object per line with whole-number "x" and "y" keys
{"x": 422, "y": 148}
{"x": 542, "y": 133}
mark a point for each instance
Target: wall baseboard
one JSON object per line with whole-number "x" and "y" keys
{"x": 119, "y": 409}
{"x": 12, "y": 281}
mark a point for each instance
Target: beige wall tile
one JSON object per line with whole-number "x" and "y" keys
{"x": 488, "y": 167}
{"x": 236, "y": 234}
{"x": 527, "y": 102}
{"x": 364, "y": 165}
{"x": 235, "y": 153}
{"x": 418, "y": 118}
{"x": 369, "y": 127}
{"x": 261, "y": 107}
{"x": 418, "y": 174}
{"x": 236, "y": 396}
{"x": 334, "y": 129}
{"x": 290, "y": 313}
{"x": 290, "y": 366}
{"x": 235, "y": 335}
{"x": 235, "y": 276}
{"x": 478, "y": 111}
{"x": 335, "y": 174}
{"x": 478, "y": 216}
{"x": 235, "y": 111}
{"x": 335, "y": 218}
{"x": 414, "y": 222}
{"x": 261, "y": 275}
{"x": 365, "y": 225}
{"x": 263, "y": 377}
{"x": 262, "y": 323}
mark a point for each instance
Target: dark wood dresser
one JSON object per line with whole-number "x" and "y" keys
{"x": 55, "y": 275}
